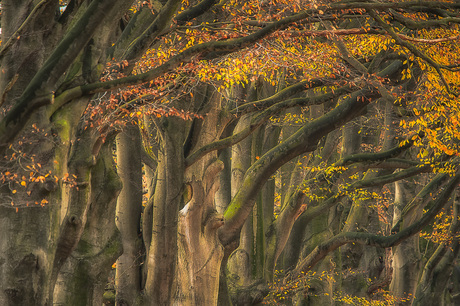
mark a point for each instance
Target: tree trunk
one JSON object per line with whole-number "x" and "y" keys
{"x": 406, "y": 256}
{"x": 240, "y": 262}
{"x": 23, "y": 281}
{"x": 129, "y": 208}
{"x": 318, "y": 286}
{"x": 200, "y": 251}
{"x": 162, "y": 256}
{"x": 365, "y": 263}
{"x": 85, "y": 275}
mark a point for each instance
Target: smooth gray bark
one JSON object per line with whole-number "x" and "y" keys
{"x": 128, "y": 217}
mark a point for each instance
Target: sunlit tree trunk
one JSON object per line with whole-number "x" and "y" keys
{"x": 149, "y": 158}
{"x": 406, "y": 256}
{"x": 200, "y": 250}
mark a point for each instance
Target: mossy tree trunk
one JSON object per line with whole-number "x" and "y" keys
{"x": 61, "y": 186}
{"x": 240, "y": 265}
{"x": 84, "y": 277}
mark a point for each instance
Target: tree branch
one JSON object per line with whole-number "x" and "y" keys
{"x": 64, "y": 54}
{"x": 376, "y": 240}
{"x": 262, "y": 117}
{"x": 279, "y": 96}
{"x": 304, "y": 140}
{"x": 375, "y": 157}
{"x": 410, "y": 47}
{"x": 195, "y": 11}
{"x": 439, "y": 267}
{"x": 160, "y": 23}
{"x": 423, "y": 24}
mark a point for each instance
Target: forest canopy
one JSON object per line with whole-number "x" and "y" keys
{"x": 229, "y": 152}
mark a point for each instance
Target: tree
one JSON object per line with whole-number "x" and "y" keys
{"x": 178, "y": 84}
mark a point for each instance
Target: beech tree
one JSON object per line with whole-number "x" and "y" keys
{"x": 228, "y": 152}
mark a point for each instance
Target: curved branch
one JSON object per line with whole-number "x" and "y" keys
{"x": 222, "y": 143}
{"x": 259, "y": 119}
{"x": 279, "y": 96}
{"x": 429, "y": 41}
{"x": 195, "y": 11}
{"x": 83, "y": 29}
{"x": 390, "y": 178}
{"x": 391, "y": 163}
{"x": 376, "y": 240}
{"x": 209, "y": 49}
{"x": 373, "y": 182}
{"x": 390, "y": 5}
{"x": 372, "y": 160}
{"x": 350, "y": 59}
{"x": 375, "y": 157}
{"x": 423, "y": 197}
{"x": 421, "y": 24}
{"x": 304, "y": 140}
{"x": 159, "y": 24}
{"x": 438, "y": 268}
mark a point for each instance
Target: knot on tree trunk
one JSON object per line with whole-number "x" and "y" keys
{"x": 212, "y": 220}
